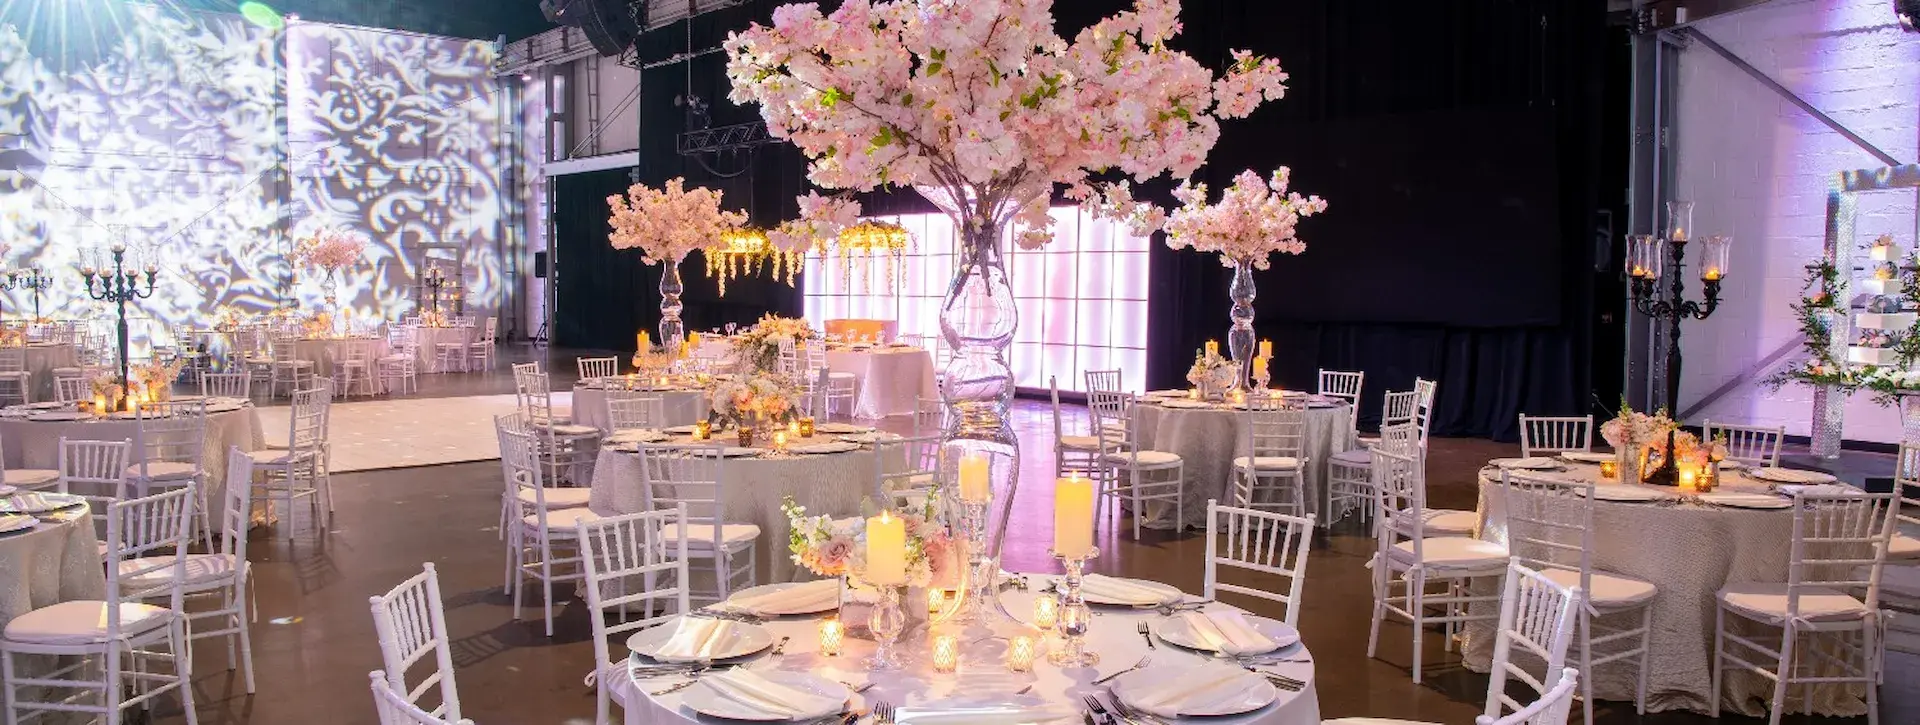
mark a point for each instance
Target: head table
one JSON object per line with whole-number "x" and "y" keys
{"x": 54, "y": 561}
{"x": 890, "y": 379}
{"x": 1689, "y": 549}
{"x": 32, "y": 435}
{"x": 982, "y": 676}
{"x": 1208, "y": 436}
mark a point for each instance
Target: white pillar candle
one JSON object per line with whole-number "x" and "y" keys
{"x": 1073, "y": 517}
{"x": 974, "y": 486}
{"x": 887, "y": 550}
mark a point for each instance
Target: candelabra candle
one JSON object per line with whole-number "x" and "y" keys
{"x": 982, "y": 569}
{"x": 1075, "y": 616}
{"x": 118, "y": 287}
{"x": 1020, "y": 654}
{"x": 1645, "y": 255}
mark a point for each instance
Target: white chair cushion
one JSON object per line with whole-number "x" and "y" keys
{"x": 1767, "y": 602}
{"x": 1610, "y": 591}
{"x": 1357, "y": 457}
{"x": 842, "y": 376}
{"x": 1143, "y": 458}
{"x": 700, "y": 536}
{"x": 1457, "y": 552}
{"x": 201, "y": 569}
{"x": 164, "y": 470}
{"x": 1903, "y": 546}
{"x": 1438, "y": 522}
{"x": 1269, "y": 463}
{"x": 1373, "y": 721}
{"x": 1079, "y": 443}
{"x": 31, "y": 477}
{"x": 560, "y": 521}
{"x": 293, "y": 363}
{"x": 273, "y": 457}
{"x": 557, "y": 498}
{"x": 82, "y": 622}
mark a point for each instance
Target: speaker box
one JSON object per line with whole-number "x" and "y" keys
{"x": 609, "y": 24}
{"x": 540, "y": 265}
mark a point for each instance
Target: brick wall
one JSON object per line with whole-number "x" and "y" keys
{"x": 1758, "y": 168}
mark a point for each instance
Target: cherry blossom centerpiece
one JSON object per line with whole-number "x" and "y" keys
{"x": 666, "y": 224}
{"x": 982, "y": 108}
{"x": 329, "y": 250}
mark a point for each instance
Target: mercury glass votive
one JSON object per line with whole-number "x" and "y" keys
{"x": 1046, "y": 612}
{"x": 1609, "y": 469}
{"x": 702, "y": 430}
{"x": 946, "y": 654}
{"x": 779, "y": 441}
{"x": 1020, "y": 654}
{"x": 831, "y": 634}
{"x": 745, "y": 434}
{"x": 806, "y": 427}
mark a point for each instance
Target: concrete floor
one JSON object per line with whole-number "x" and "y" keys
{"x": 314, "y": 643}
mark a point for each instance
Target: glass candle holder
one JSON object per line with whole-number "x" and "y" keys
{"x": 806, "y": 427}
{"x": 746, "y": 436}
{"x": 1609, "y": 469}
{"x": 702, "y": 430}
{"x": 886, "y": 623}
{"x": 793, "y": 429}
{"x": 779, "y": 441}
{"x": 1020, "y": 653}
{"x": 831, "y": 635}
{"x": 1046, "y": 612}
{"x": 946, "y": 654}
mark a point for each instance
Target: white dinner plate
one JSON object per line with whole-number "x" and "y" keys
{"x": 6, "y": 490}
{"x": 971, "y": 709}
{"x": 1747, "y": 500}
{"x": 59, "y": 415}
{"x": 1587, "y": 456}
{"x": 10, "y": 523}
{"x": 1167, "y": 394}
{"x": 840, "y": 446}
{"x": 1789, "y": 475}
{"x": 1168, "y": 593}
{"x": 1536, "y": 463}
{"x": 1256, "y": 694}
{"x": 1733, "y": 465}
{"x": 838, "y": 428}
{"x": 743, "y": 640}
{"x": 636, "y": 436}
{"x": 48, "y": 405}
{"x": 1625, "y": 492}
{"x": 1175, "y": 631}
{"x": 740, "y": 452}
{"x": 1185, "y": 404}
{"x": 708, "y": 701}
{"x": 678, "y": 430}
{"x": 788, "y": 607}
{"x": 34, "y": 502}
{"x": 869, "y": 438}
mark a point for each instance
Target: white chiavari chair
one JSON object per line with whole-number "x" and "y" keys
{"x": 906, "y": 470}
{"x": 354, "y": 366}
{"x": 1839, "y": 547}
{"x": 1345, "y": 387}
{"x": 411, "y": 623}
{"x": 1549, "y": 527}
{"x": 1424, "y": 392}
{"x": 567, "y": 449}
{"x": 1129, "y": 473}
{"x": 1551, "y": 709}
{"x": 550, "y": 498}
{"x": 1272, "y": 474}
{"x": 616, "y": 552}
{"x": 1905, "y": 547}
{"x": 226, "y": 385}
{"x": 1541, "y": 434}
{"x": 27, "y": 479}
{"x": 97, "y": 472}
{"x": 840, "y": 393}
{"x": 451, "y": 355}
{"x": 1264, "y": 543}
{"x": 1103, "y": 381}
{"x": 632, "y": 411}
{"x": 696, "y": 478}
{"x": 1396, "y": 408}
{"x": 788, "y": 360}
{"x": 540, "y": 543}
{"x": 1076, "y": 453}
{"x": 298, "y": 471}
{"x": 480, "y": 352}
{"x": 71, "y": 389}
{"x": 1407, "y": 558}
{"x": 393, "y": 708}
{"x": 1350, "y": 472}
{"x": 929, "y": 416}
{"x": 596, "y": 368}
{"x": 129, "y": 644}
{"x": 169, "y": 442}
{"x": 15, "y": 381}
{"x": 1405, "y": 440}
{"x": 1752, "y": 445}
{"x": 287, "y": 368}
{"x": 401, "y": 366}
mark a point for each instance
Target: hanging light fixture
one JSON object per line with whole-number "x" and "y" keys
{"x": 863, "y": 243}
{"x": 744, "y": 251}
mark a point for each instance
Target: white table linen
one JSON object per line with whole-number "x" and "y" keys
{"x": 428, "y": 341}
{"x": 1208, "y": 439}
{"x": 890, "y": 380}
{"x": 982, "y": 673}
{"x": 36, "y": 444}
{"x": 325, "y": 352}
{"x": 52, "y": 563}
{"x": 1689, "y": 551}
{"x": 826, "y": 484}
{"x": 682, "y": 407}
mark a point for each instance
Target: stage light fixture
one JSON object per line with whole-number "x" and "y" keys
{"x": 1908, "y": 11}
{"x": 608, "y": 24}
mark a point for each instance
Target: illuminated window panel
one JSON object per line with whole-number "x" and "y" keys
{"x": 1082, "y": 299}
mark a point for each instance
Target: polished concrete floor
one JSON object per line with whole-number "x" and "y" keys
{"x": 315, "y": 642}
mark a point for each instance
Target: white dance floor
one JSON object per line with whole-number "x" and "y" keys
{"x": 381, "y": 434}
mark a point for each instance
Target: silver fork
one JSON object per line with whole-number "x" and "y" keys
{"x": 1146, "y": 634}
{"x": 882, "y": 713}
{"x": 1144, "y": 661}
{"x": 1132, "y": 715}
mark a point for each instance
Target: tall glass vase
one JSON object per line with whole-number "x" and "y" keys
{"x": 1240, "y": 336}
{"x": 671, "y": 331}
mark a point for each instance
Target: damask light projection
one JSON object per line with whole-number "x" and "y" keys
{"x": 211, "y": 155}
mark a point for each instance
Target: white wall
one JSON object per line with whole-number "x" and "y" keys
{"x": 1758, "y": 168}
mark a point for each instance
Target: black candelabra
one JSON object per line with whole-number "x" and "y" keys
{"x": 435, "y": 280}
{"x": 1646, "y": 255}
{"x": 31, "y": 280}
{"x": 119, "y": 286}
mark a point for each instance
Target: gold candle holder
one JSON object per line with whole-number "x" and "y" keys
{"x": 946, "y": 654}
{"x": 1609, "y": 469}
{"x": 806, "y": 427}
{"x": 702, "y": 430}
{"x": 831, "y": 635}
{"x": 1020, "y": 654}
{"x": 779, "y": 441}
{"x": 1046, "y": 612}
{"x": 746, "y": 436}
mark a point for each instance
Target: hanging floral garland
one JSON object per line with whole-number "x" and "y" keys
{"x": 866, "y": 243}
{"x": 1817, "y": 311}
{"x": 746, "y": 251}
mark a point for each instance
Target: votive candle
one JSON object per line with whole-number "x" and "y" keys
{"x": 780, "y": 440}
{"x": 887, "y": 550}
{"x": 1020, "y": 654}
{"x": 1609, "y": 469}
{"x": 1046, "y": 612}
{"x": 702, "y": 430}
{"x": 1260, "y": 365}
{"x": 1213, "y": 348}
{"x": 806, "y": 427}
{"x": 793, "y": 429}
{"x": 946, "y": 654}
{"x": 831, "y": 633}
{"x": 1266, "y": 348}
{"x": 1073, "y": 517}
{"x": 1689, "y": 479}
{"x": 974, "y": 485}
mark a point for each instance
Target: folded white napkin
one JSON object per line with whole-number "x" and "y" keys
{"x": 808, "y": 597}
{"x": 1110, "y": 589}
{"x": 1229, "y": 632}
{"x": 748, "y": 688}
{"x": 1194, "y": 690}
{"x": 1001, "y": 715}
{"x": 696, "y": 637}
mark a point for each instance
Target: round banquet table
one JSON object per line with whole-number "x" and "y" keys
{"x": 324, "y": 351}
{"x": 683, "y": 405}
{"x": 1208, "y": 439}
{"x": 428, "y": 340}
{"x": 825, "y": 484}
{"x": 891, "y": 380}
{"x": 981, "y": 675}
{"x": 55, "y": 561}
{"x": 36, "y": 444}
{"x": 1689, "y": 550}
{"x": 42, "y": 358}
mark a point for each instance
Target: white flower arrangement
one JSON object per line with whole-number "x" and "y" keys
{"x": 758, "y": 349}
{"x": 1211, "y": 372}
{"x": 756, "y": 398}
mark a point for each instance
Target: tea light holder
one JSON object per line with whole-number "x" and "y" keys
{"x": 1609, "y": 469}
{"x": 779, "y": 441}
{"x": 946, "y": 654}
{"x": 1020, "y": 654}
{"x": 793, "y": 429}
{"x": 1046, "y": 612}
{"x": 746, "y": 436}
{"x": 702, "y": 430}
{"x": 832, "y": 633}
{"x": 806, "y": 427}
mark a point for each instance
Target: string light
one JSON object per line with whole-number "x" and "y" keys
{"x": 864, "y": 242}
{"x": 746, "y": 251}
